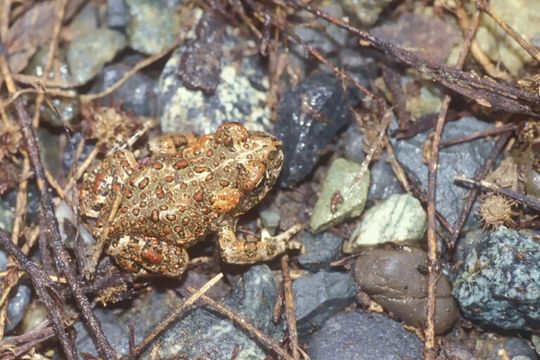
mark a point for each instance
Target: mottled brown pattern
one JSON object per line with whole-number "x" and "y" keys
{"x": 189, "y": 188}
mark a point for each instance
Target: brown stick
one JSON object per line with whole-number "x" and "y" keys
{"x": 530, "y": 201}
{"x": 290, "y": 313}
{"x": 171, "y": 318}
{"x": 61, "y": 257}
{"x": 246, "y": 325}
{"x": 433, "y": 164}
{"x": 41, "y": 282}
{"x": 473, "y": 193}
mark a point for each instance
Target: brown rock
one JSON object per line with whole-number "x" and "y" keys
{"x": 397, "y": 280}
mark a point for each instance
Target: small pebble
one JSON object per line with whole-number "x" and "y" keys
{"x": 396, "y": 219}
{"x": 87, "y": 54}
{"x": 152, "y": 27}
{"x": 343, "y": 195}
{"x": 319, "y": 250}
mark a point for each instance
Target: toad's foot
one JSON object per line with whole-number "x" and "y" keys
{"x": 247, "y": 252}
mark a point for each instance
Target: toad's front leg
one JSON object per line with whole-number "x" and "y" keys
{"x": 135, "y": 252}
{"x": 237, "y": 251}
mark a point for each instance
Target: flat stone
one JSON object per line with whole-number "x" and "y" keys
{"x": 396, "y": 219}
{"x": 343, "y": 195}
{"x": 318, "y": 296}
{"x": 361, "y": 335}
{"x": 87, "y": 54}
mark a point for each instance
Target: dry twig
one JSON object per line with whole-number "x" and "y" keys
{"x": 290, "y": 311}
{"x": 171, "y": 318}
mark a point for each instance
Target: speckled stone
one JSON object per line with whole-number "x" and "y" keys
{"x": 398, "y": 218}
{"x": 152, "y": 27}
{"x": 343, "y": 195}
{"x": 241, "y": 95}
{"x": 500, "y": 283}
{"x": 87, "y": 54}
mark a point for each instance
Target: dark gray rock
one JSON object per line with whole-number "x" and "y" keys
{"x": 137, "y": 95}
{"x": 360, "y": 335}
{"x": 117, "y": 14}
{"x": 319, "y": 250}
{"x": 500, "y": 283}
{"x": 143, "y": 314}
{"x": 318, "y": 296}
{"x": 459, "y": 160}
{"x": 305, "y": 132}
{"x": 19, "y": 299}
{"x": 203, "y": 332}
{"x": 384, "y": 182}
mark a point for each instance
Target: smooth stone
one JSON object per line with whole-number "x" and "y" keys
{"x": 319, "y": 33}
{"x": 361, "y": 335}
{"x": 303, "y": 133}
{"x": 319, "y": 250}
{"x": 392, "y": 278}
{"x": 437, "y": 35}
{"x": 318, "y": 296}
{"x": 65, "y": 110}
{"x": 87, "y": 54}
{"x": 458, "y": 160}
{"x": 343, "y": 195}
{"x": 396, "y": 219}
{"x": 500, "y": 283}
{"x": 152, "y": 27}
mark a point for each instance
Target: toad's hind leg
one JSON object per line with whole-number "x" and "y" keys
{"x": 134, "y": 253}
{"x": 237, "y": 251}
